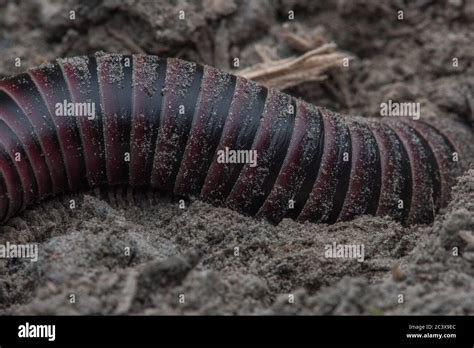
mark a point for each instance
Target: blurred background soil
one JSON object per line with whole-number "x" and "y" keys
{"x": 191, "y": 251}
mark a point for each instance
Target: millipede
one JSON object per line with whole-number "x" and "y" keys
{"x": 160, "y": 123}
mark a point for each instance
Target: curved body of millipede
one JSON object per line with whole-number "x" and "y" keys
{"x": 161, "y": 123}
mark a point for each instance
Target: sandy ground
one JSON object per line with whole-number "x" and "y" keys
{"x": 140, "y": 255}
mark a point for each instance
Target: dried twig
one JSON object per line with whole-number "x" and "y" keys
{"x": 303, "y": 40}
{"x": 318, "y": 57}
{"x": 288, "y": 72}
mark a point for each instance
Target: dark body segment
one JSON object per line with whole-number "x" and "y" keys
{"x": 12, "y": 183}
{"x": 270, "y": 145}
{"x": 443, "y": 152}
{"x": 300, "y": 167}
{"x": 15, "y": 156}
{"x": 364, "y": 180}
{"x": 23, "y": 109}
{"x": 81, "y": 77}
{"x": 115, "y": 84}
{"x": 426, "y": 185}
{"x": 238, "y": 134}
{"x": 329, "y": 190}
{"x": 50, "y": 82}
{"x": 210, "y": 114}
{"x": 180, "y": 94}
{"x": 148, "y": 81}
{"x": 458, "y": 135}
{"x": 395, "y": 184}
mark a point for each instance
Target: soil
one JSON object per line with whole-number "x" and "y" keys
{"x": 142, "y": 253}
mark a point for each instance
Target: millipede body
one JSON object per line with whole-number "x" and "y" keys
{"x": 176, "y": 126}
